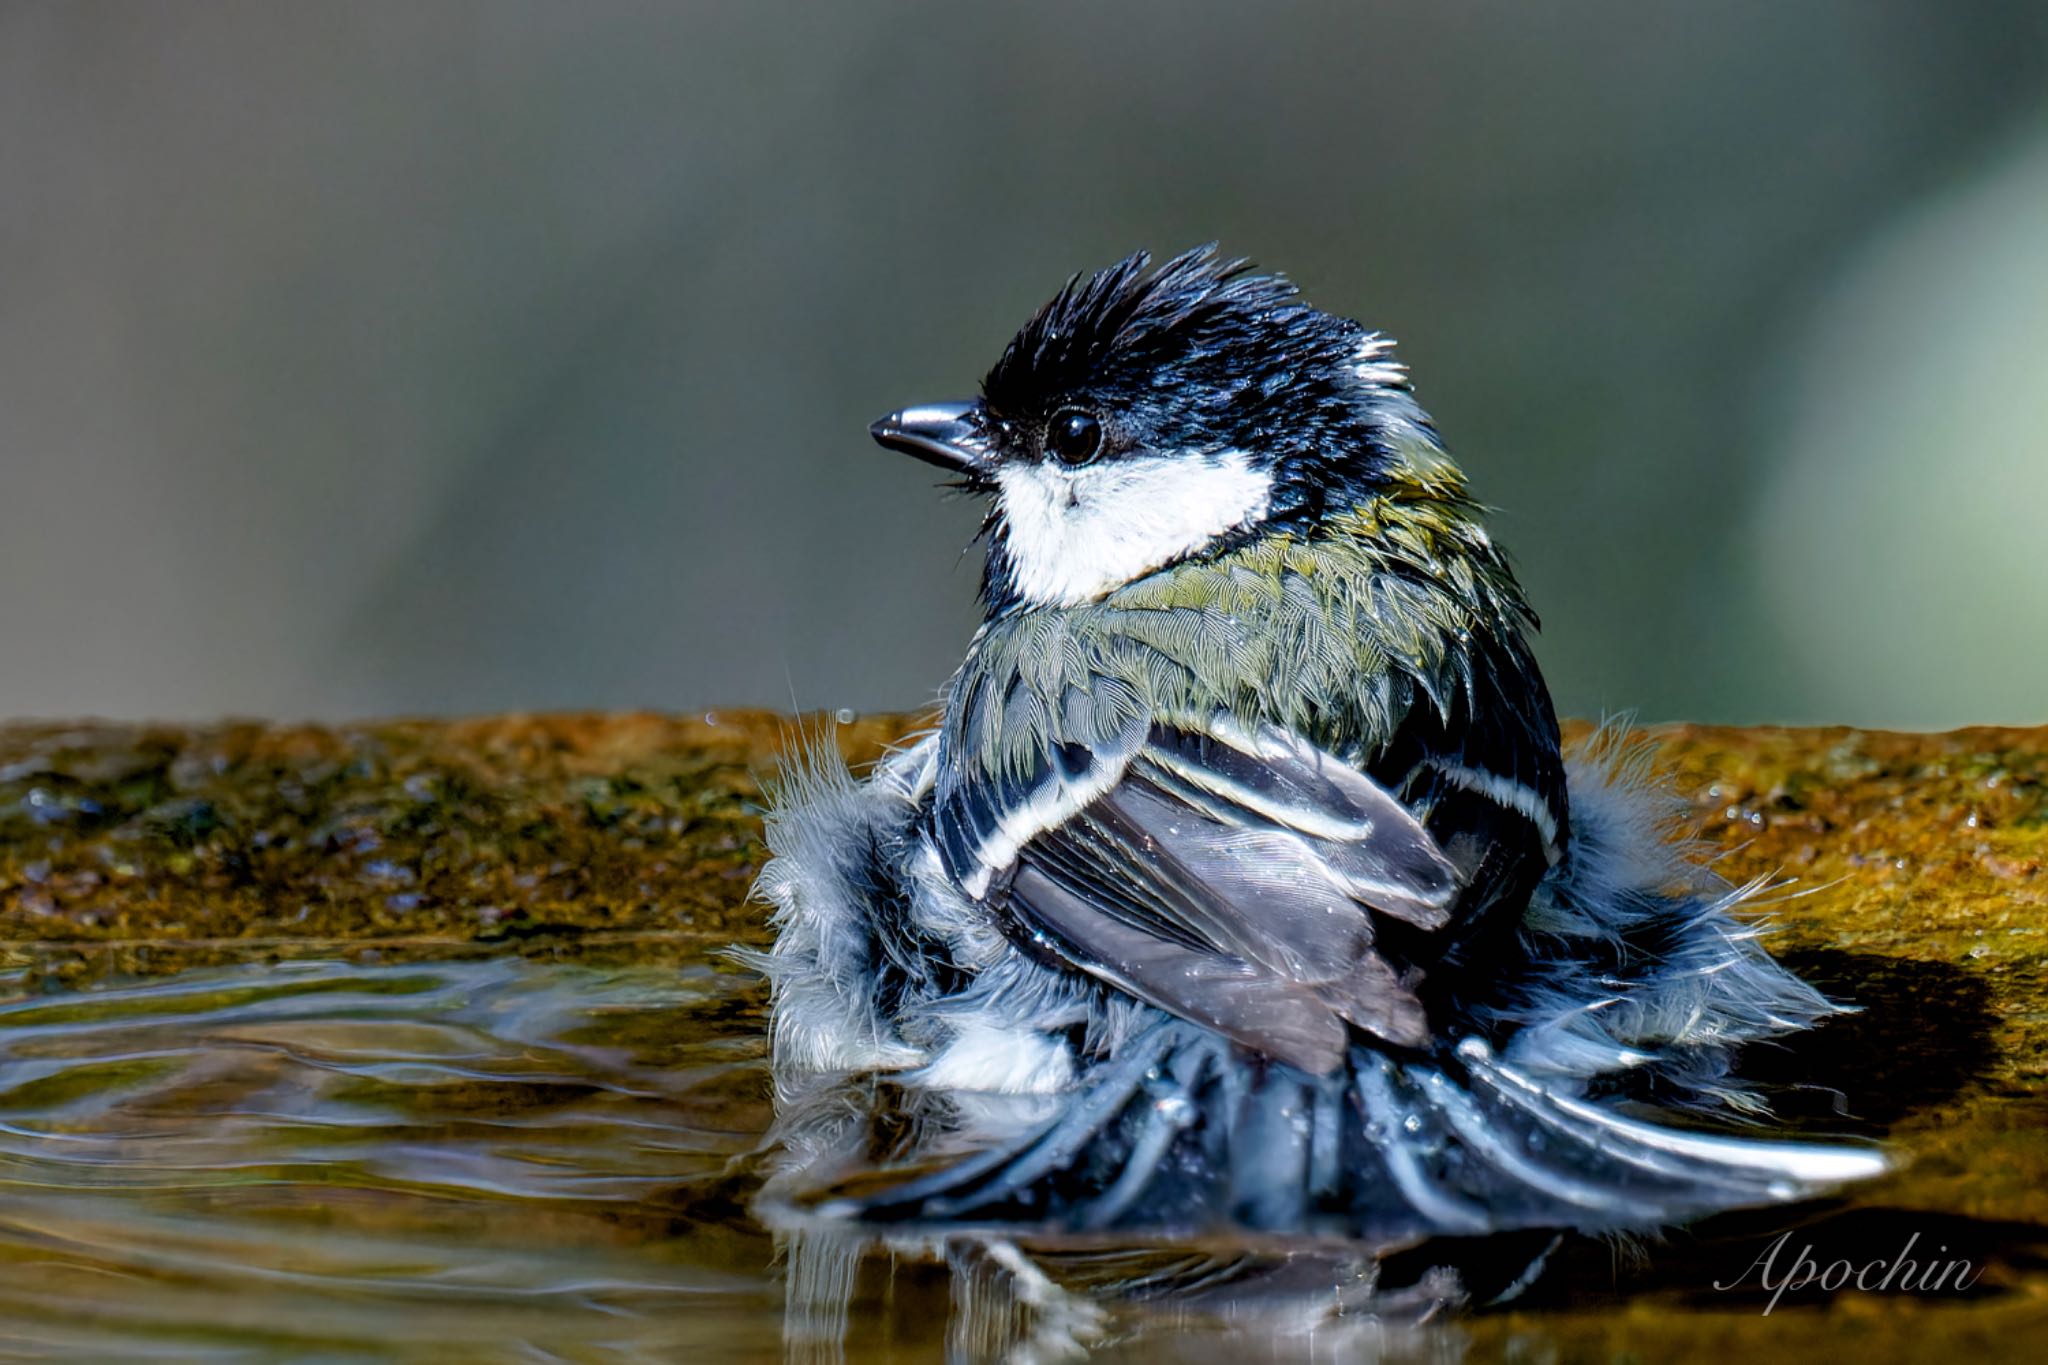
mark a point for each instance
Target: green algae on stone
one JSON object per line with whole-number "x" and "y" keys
{"x": 144, "y": 848}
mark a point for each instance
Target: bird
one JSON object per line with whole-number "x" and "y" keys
{"x": 1241, "y": 883}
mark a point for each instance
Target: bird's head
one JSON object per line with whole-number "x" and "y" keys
{"x": 1145, "y": 416}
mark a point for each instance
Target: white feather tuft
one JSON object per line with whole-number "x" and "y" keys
{"x": 986, "y": 1056}
{"x": 824, "y": 1016}
{"x": 1376, "y": 363}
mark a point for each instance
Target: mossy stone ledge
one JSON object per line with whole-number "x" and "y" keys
{"x": 1913, "y": 875}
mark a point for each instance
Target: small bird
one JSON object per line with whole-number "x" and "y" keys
{"x": 1243, "y": 883}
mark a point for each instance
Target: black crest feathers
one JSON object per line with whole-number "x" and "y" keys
{"x": 1198, "y": 306}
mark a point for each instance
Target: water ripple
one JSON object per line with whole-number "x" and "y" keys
{"x": 502, "y": 1159}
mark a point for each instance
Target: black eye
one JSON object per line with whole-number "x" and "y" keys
{"x": 1074, "y": 436}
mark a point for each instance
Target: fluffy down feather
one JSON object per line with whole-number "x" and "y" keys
{"x": 1632, "y": 959}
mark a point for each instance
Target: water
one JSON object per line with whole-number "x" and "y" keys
{"x": 534, "y": 1160}
{"x": 472, "y": 1160}
{"x": 441, "y": 1161}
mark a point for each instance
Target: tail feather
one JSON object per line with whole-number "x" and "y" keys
{"x": 1390, "y": 1150}
{"x": 1747, "y": 1167}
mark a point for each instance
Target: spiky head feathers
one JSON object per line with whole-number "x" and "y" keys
{"x": 1146, "y": 415}
{"x": 1204, "y": 355}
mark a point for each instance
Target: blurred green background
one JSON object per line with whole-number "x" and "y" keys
{"x": 425, "y": 357}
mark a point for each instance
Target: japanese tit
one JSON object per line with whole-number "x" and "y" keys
{"x": 1243, "y": 883}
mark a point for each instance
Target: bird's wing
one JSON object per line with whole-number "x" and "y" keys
{"x": 1238, "y": 879}
{"x": 1485, "y": 776}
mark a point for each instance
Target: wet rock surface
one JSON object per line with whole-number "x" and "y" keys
{"x": 1915, "y": 883}
{"x": 146, "y": 848}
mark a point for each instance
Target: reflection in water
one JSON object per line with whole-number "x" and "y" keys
{"x": 496, "y": 1160}
{"x": 1038, "y": 1301}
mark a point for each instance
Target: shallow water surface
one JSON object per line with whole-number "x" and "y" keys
{"x": 533, "y": 1160}
{"x": 496, "y": 1159}
{"x": 469, "y": 1160}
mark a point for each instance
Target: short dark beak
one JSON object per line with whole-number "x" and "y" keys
{"x": 948, "y": 435}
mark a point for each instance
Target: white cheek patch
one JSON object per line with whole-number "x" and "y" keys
{"x": 1075, "y": 534}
